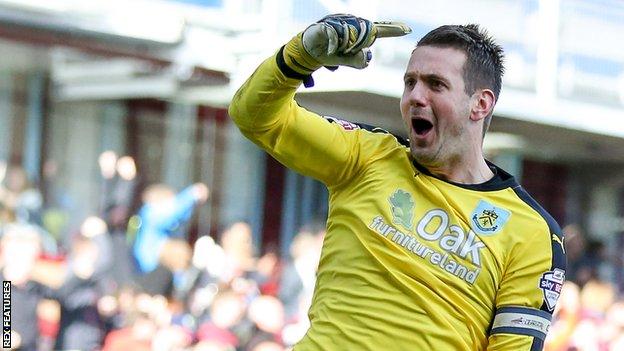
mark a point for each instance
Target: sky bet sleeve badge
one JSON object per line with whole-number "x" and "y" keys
{"x": 488, "y": 219}
{"x": 551, "y": 284}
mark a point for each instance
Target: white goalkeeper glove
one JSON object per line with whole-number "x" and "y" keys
{"x": 335, "y": 40}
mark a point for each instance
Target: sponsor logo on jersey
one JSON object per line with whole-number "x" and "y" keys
{"x": 488, "y": 219}
{"x": 456, "y": 250}
{"x": 529, "y": 322}
{"x": 551, "y": 284}
{"x": 346, "y": 125}
{"x": 402, "y": 207}
{"x": 443, "y": 260}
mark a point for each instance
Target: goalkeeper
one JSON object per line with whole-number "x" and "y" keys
{"x": 429, "y": 246}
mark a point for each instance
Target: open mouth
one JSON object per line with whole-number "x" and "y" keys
{"x": 421, "y": 126}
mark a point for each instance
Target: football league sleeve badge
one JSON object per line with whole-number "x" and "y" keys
{"x": 551, "y": 284}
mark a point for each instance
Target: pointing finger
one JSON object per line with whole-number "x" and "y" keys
{"x": 386, "y": 29}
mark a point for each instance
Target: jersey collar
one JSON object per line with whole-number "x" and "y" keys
{"x": 501, "y": 179}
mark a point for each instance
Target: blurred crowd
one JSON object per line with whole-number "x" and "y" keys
{"x": 590, "y": 313}
{"x": 129, "y": 278}
{"x": 588, "y": 318}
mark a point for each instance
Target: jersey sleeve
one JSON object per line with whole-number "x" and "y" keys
{"x": 529, "y": 291}
{"x": 265, "y": 111}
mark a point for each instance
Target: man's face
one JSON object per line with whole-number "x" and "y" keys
{"x": 435, "y": 107}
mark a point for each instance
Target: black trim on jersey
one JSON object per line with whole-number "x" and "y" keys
{"x": 558, "y": 253}
{"x": 372, "y": 129}
{"x": 501, "y": 179}
{"x": 525, "y": 310}
{"x": 537, "y": 345}
{"x": 519, "y": 331}
{"x": 308, "y": 81}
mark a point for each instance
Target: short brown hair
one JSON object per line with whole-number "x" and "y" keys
{"x": 484, "y": 67}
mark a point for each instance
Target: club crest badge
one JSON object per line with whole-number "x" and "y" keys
{"x": 551, "y": 284}
{"x": 488, "y": 219}
{"x": 402, "y": 207}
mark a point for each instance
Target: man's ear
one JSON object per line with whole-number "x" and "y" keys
{"x": 482, "y": 104}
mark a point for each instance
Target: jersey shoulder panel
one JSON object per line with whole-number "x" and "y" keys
{"x": 348, "y": 125}
{"x": 558, "y": 257}
{"x": 529, "y": 200}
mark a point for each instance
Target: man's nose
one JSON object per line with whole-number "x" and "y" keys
{"x": 418, "y": 96}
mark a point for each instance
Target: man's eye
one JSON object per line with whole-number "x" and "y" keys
{"x": 436, "y": 84}
{"x": 409, "y": 82}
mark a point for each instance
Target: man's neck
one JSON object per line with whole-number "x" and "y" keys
{"x": 463, "y": 172}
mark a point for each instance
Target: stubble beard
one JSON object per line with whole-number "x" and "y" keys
{"x": 447, "y": 151}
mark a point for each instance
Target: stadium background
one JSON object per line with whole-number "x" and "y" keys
{"x": 152, "y": 80}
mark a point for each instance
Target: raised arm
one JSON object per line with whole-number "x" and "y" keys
{"x": 265, "y": 111}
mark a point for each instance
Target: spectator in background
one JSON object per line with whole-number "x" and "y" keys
{"x": 20, "y": 247}
{"x": 586, "y": 259}
{"x": 6, "y": 214}
{"x": 575, "y": 246}
{"x": 582, "y": 322}
{"x": 225, "y": 324}
{"x": 268, "y": 271}
{"x": 595, "y": 299}
{"x": 299, "y": 278}
{"x": 175, "y": 258}
{"x": 266, "y": 345}
{"x": 58, "y": 203}
{"x": 211, "y": 346}
{"x": 614, "y": 326}
{"x": 119, "y": 184}
{"x": 595, "y": 261}
{"x": 566, "y": 317}
{"x": 107, "y": 161}
{"x": 161, "y": 217}
{"x": 237, "y": 243}
{"x": 209, "y": 266}
{"x": 299, "y": 275}
{"x": 171, "y": 338}
{"x": 118, "y": 308}
{"x": 137, "y": 336}
{"x": 119, "y": 181}
{"x": 81, "y": 326}
{"x": 78, "y": 294}
{"x": 19, "y": 196}
{"x": 587, "y": 319}
{"x": 241, "y": 267}
{"x": 21, "y": 202}
{"x": 267, "y": 314}
{"x": 209, "y": 261}
{"x": 95, "y": 230}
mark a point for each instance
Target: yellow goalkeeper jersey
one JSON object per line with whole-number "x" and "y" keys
{"x": 410, "y": 261}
